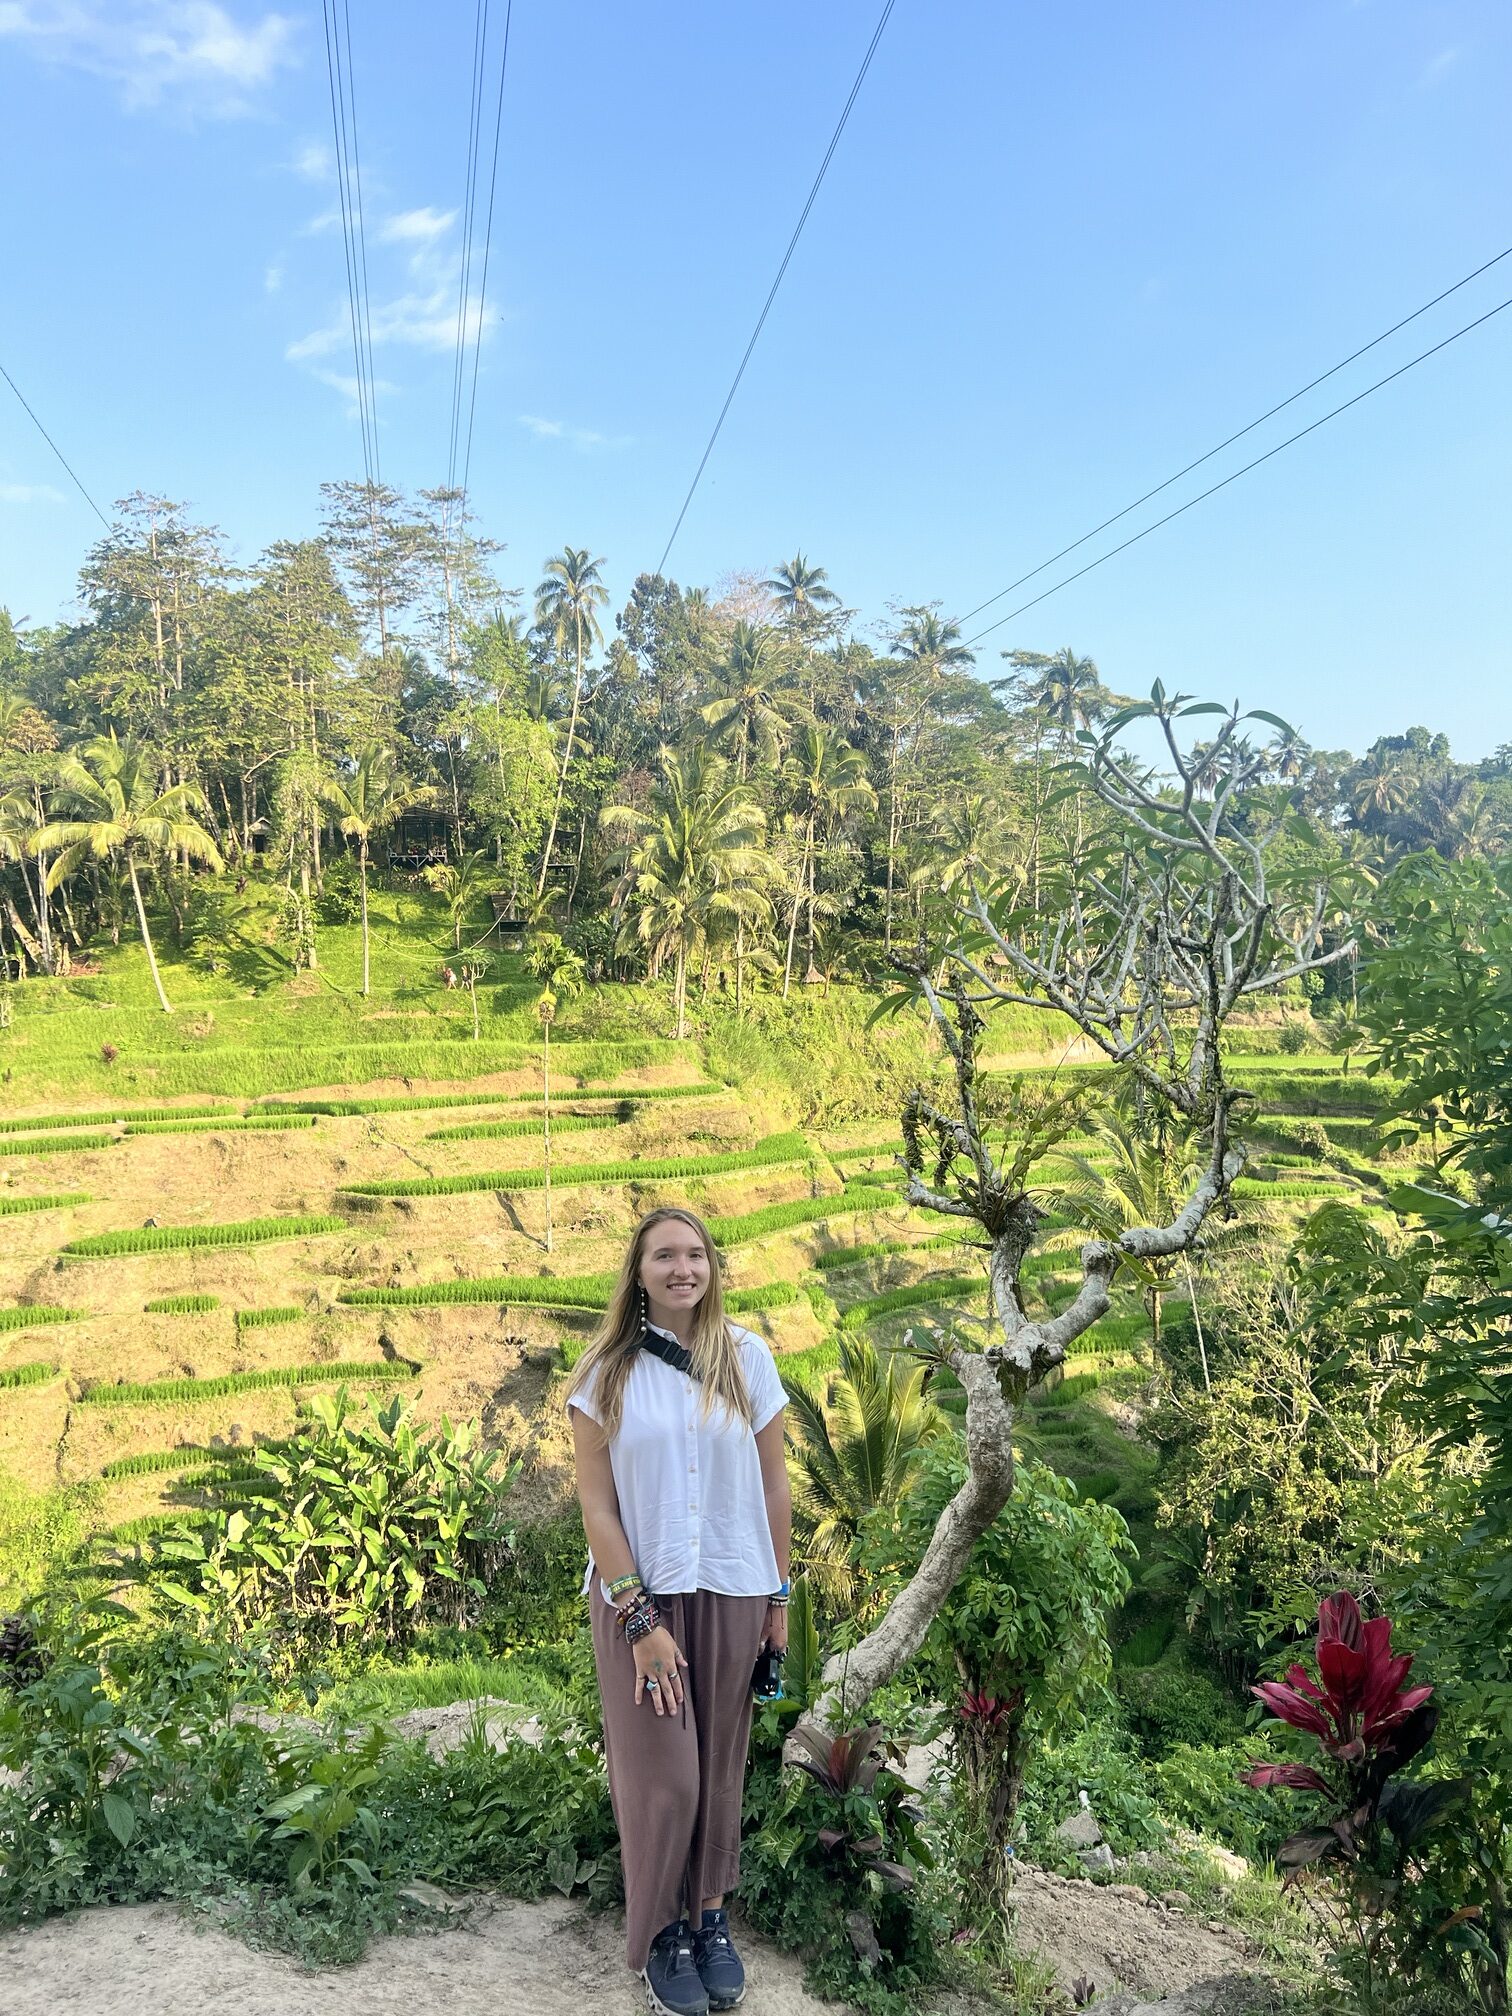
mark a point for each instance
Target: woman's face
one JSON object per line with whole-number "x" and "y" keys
{"x": 674, "y": 1267}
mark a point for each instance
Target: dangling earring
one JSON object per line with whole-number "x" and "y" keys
{"x": 645, "y": 1309}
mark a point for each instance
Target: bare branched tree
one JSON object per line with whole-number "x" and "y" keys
{"x": 1200, "y": 891}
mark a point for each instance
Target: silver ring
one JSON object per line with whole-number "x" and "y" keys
{"x": 653, "y": 1683}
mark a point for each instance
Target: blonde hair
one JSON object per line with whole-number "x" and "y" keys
{"x": 616, "y": 1342}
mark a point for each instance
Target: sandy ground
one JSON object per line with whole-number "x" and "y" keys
{"x": 508, "y": 1959}
{"x": 1117, "y": 1938}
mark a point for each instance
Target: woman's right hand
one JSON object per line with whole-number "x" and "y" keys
{"x": 658, "y": 1657}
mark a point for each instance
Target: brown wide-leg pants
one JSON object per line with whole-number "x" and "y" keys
{"x": 676, "y": 1781}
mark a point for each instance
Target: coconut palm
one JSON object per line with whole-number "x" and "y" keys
{"x": 366, "y": 802}
{"x": 109, "y": 804}
{"x": 926, "y": 645}
{"x": 1067, "y": 690}
{"x": 746, "y": 716}
{"x": 691, "y": 864}
{"x": 852, "y": 1450}
{"x": 562, "y": 978}
{"x": 828, "y": 782}
{"x": 566, "y": 602}
{"x": 801, "y": 592}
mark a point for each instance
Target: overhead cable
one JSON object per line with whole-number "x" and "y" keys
{"x": 1269, "y": 414}
{"x": 493, "y": 177}
{"x": 871, "y": 51}
{"x": 72, "y": 477}
{"x": 1301, "y": 434}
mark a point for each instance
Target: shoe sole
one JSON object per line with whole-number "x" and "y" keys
{"x": 654, "y": 2001}
{"x": 733, "y": 2001}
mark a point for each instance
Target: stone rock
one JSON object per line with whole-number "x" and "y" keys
{"x": 1096, "y": 1860}
{"x": 863, "y": 1939}
{"x": 1129, "y": 1890}
{"x": 1226, "y": 1862}
{"x": 922, "y": 1760}
{"x": 1177, "y": 1900}
{"x": 1080, "y": 1831}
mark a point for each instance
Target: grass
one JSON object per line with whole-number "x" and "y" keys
{"x": 776, "y": 1148}
{"x": 149, "y": 1462}
{"x": 35, "y": 1374}
{"x": 56, "y": 1144}
{"x": 736, "y": 1230}
{"x": 257, "y": 1319}
{"x": 181, "y": 1305}
{"x": 422, "y": 1102}
{"x": 543, "y": 1291}
{"x": 948, "y": 1288}
{"x": 492, "y": 1130}
{"x": 149, "y": 1392}
{"x": 882, "y": 1249}
{"x": 267, "y": 1123}
{"x": 36, "y": 1313}
{"x": 110, "y": 1116}
{"x": 12, "y": 1207}
{"x": 175, "y": 1238}
{"x": 538, "y": 1679}
{"x": 1250, "y": 1186}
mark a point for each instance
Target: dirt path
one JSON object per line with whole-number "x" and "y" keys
{"x": 509, "y": 1959}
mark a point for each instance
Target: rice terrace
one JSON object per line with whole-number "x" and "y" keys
{"x": 726, "y": 1281}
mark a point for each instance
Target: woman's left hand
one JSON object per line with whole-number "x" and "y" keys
{"x": 776, "y": 1629}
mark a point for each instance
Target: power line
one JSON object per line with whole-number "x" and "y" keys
{"x": 493, "y": 177}
{"x": 55, "y": 449}
{"x": 1311, "y": 385}
{"x": 1301, "y": 433}
{"x": 469, "y": 203}
{"x": 871, "y": 50}
{"x": 338, "y": 101}
{"x": 356, "y": 186}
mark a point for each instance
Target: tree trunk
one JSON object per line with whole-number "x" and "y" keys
{"x": 141, "y": 910}
{"x": 362, "y": 868}
{"x": 787, "y": 971}
{"x": 681, "y": 989}
{"x": 556, "y": 810}
{"x": 472, "y": 991}
{"x": 546, "y": 1119}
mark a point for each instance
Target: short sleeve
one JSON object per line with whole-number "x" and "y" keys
{"x": 768, "y": 1396}
{"x": 586, "y": 1398}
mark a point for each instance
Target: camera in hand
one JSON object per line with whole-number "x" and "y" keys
{"x": 766, "y": 1681}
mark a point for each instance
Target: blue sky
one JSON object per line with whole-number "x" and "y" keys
{"x": 1061, "y": 251}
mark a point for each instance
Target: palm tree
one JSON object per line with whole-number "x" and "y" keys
{"x": 109, "y": 804}
{"x": 801, "y": 592}
{"x": 365, "y": 803}
{"x": 851, "y": 1451}
{"x": 691, "y": 864}
{"x": 828, "y": 781}
{"x": 1067, "y": 690}
{"x": 565, "y": 604}
{"x": 561, "y": 973}
{"x": 746, "y": 715}
{"x": 927, "y": 645}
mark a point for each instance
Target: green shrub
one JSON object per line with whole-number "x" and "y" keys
{"x": 171, "y": 1238}
{"x": 533, "y": 1599}
{"x": 37, "y": 1313}
{"x": 370, "y": 1530}
{"x": 1248, "y": 1186}
{"x": 775, "y": 1149}
{"x": 55, "y": 1144}
{"x": 181, "y": 1305}
{"x": 13, "y": 1206}
{"x": 1075, "y": 1386}
{"x": 1145, "y": 1645}
{"x": 1173, "y": 1703}
{"x": 144, "y": 1393}
{"x": 949, "y": 1288}
{"x": 1199, "y": 1785}
{"x": 257, "y": 1319}
{"x": 1118, "y": 1786}
{"x": 1100, "y": 1485}
{"x": 37, "y": 1373}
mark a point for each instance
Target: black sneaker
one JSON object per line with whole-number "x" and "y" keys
{"x": 671, "y": 1978}
{"x": 718, "y": 1963}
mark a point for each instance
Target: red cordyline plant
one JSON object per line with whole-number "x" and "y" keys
{"x": 1369, "y": 1723}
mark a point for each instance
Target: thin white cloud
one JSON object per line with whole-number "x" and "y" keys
{"x": 584, "y": 439}
{"x": 346, "y": 385}
{"x": 418, "y": 226}
{"x": 273, "y": 279}
{"x": 1440, "y": 66}
{"x": 324, "y": 220}
{"x": 29, "y": 493}
{"x": 313, "y": 161}
{"x": 193, "y": 52}
{"x": 424, "y": 321}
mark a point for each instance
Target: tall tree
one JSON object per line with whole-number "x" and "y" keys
{"x": 927, "y": 645}
{"x": 561, "y": 974}
{"x": 365, "y": 802}
{"x": 566, "y": 605}
{"x": 828, "y": 782}
{"x": 109, "y": 804}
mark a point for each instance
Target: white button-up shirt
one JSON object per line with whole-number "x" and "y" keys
{"x": 691, "y": 1499}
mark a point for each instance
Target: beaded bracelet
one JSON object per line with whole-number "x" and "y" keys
{"x": 622, "y": 1585}
{"x": 642, "y": 1624}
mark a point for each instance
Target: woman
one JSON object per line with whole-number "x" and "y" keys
{"x": 677, "y": 1424}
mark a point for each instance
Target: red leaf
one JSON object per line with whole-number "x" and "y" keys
{"x": 1345, "y": 1672}
{"x": 1290, "y": 1706}
{"x": 1298, "y": 1777}
{"x": 1296, "y": 1676}
{"x": 1339, "y": 1621}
